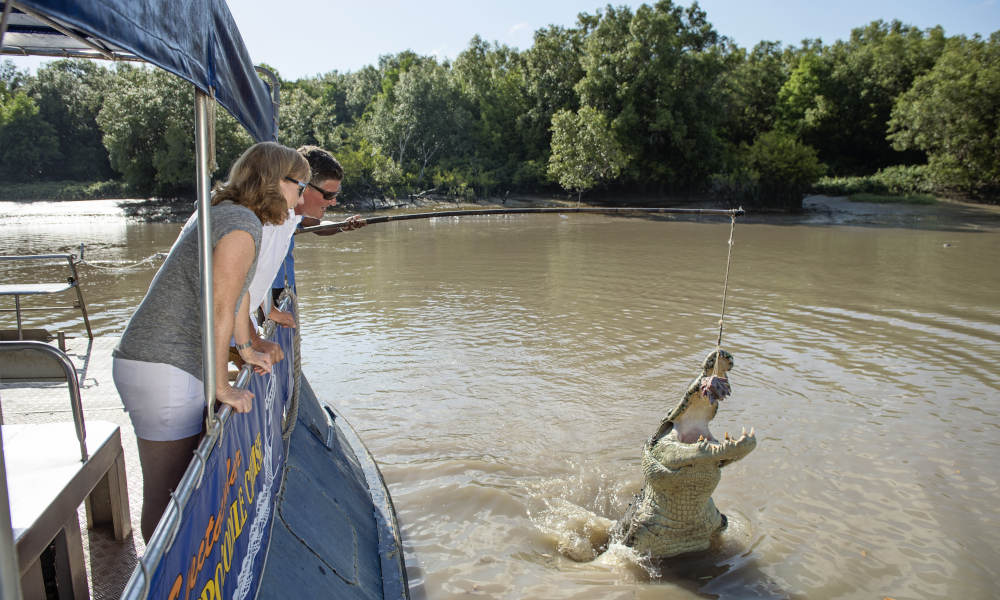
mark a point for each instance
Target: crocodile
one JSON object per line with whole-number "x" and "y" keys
{"x": 674, "y": 513}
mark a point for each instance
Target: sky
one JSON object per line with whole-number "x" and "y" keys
{"x": 310, "y": 37}
{"x": 303, "y": 38}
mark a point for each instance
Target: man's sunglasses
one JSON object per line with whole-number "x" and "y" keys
{"x": 328, "y": 196}
{"x": 302, "y": 185}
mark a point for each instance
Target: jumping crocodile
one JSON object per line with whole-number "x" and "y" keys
{"x": 674, "y": 512}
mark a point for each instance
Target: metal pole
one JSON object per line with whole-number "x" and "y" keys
{"x": 79, "y": 292}
{"x": 201, "y": 143}
{"x": 10, "y": 576}
{"x": 3, "y": 19}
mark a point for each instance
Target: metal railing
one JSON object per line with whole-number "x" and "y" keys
{"x": 73, "y": 281}
{"x": 74, "y": 385}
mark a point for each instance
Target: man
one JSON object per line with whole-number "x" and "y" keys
{"x": 321, "y": 193}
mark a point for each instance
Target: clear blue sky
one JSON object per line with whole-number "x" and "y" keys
{"x": 302, "y": 38}
{"x": 307, "y": 37}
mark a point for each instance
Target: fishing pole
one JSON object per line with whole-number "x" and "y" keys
{"x": 341, "y": 225}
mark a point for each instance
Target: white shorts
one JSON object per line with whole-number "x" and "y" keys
{"x": 164, "y": 402}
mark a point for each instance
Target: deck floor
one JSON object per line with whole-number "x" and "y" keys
{"x": 109, "y": 563}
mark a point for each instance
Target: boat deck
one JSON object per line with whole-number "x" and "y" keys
{"x": 109, "y": 562}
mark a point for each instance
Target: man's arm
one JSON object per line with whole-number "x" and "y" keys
{"x": 349, "y": 224}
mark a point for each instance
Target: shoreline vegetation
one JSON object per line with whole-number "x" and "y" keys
{"x": 625, "y": 103}
{"x": 921, "y": 211}
{"x": 856, "y": 189}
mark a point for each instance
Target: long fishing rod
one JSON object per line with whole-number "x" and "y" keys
{"x": 341, "y": 225}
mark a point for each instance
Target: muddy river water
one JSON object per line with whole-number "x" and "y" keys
{"x": 505, "y": 372}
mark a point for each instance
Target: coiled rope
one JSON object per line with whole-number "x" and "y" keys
{"x": 292, "y": 411}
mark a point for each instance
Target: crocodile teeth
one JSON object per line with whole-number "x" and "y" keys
{"x": 727, "y": 436}
{"x": 744, "y": 432}
{"x": 751, "y": 432}
{"x": 701, "y": 438}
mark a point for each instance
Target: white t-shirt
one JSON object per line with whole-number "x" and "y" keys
{"x": 273, "y": 248}
{"x": 274, "y": 241}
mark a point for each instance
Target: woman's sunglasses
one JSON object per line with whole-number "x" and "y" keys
{"x": 302, "y": 185}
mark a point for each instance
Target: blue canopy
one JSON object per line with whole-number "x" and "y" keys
{"x": 193, "y": 39}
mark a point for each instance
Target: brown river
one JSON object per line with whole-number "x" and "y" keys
{"x": 505, "y": 372}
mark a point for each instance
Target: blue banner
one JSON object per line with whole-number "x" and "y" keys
{"x": 221, "y": 544}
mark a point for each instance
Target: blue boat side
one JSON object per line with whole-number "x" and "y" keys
{"x": 335, "y": 532}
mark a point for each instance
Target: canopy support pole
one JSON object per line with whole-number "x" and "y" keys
{"x": 3, "y": 20}
{"x": 201, "y": 142}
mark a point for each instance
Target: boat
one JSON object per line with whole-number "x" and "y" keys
{"x": 284, "y": 500}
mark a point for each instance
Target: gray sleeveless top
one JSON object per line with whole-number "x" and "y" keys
{"x": 166, "y": 328}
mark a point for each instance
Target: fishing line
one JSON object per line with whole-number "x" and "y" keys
{"x": 725, "y": 283}
{"x": 725, "y": 293}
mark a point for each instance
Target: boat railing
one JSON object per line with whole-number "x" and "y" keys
{"x": 29, "y": 289}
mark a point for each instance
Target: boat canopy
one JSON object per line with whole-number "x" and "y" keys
{"x": 196, "y": 40}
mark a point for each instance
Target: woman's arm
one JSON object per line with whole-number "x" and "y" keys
{"x": 248, "y": 342}
{"x": 231, "y": 260}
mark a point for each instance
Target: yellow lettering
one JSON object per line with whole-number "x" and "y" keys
{"x": 243, "y": 515}
{"x": 248, "y": 485}
{"x": 243, "y": 511}
{"x": 234, "y": 519}
{"x": 209, "y": 592}
{"x": 220, "y": 577}
{"x": 226, "y": 558}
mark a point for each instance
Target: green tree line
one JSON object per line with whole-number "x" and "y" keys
{"x": 650, "y": 100}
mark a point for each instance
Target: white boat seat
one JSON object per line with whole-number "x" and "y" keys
{"x": 47, "y": 482}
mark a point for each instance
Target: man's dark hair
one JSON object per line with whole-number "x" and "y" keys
{"x": 324, "y": 166}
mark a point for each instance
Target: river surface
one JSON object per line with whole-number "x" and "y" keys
{"x": 505, "y": 372}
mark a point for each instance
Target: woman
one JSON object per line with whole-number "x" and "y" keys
{"x": 158, "y": 362}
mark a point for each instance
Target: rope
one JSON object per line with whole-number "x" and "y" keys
{"x": 292, "y": 412}
{"x": 126, "y": 268}
{"x": 725, "y": 291}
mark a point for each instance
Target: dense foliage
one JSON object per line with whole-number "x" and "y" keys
{"x": 650, "y": 100}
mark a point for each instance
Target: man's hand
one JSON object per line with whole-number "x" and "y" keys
{"x": 354, "y": 222}
{"x": 285, "y": 319}
{"x": 350, "y": 223}
{"x": 272, "y": 350}
{"x": 261, "y": 361}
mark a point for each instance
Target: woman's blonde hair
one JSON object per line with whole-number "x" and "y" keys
{"x": 255, "y": 180}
